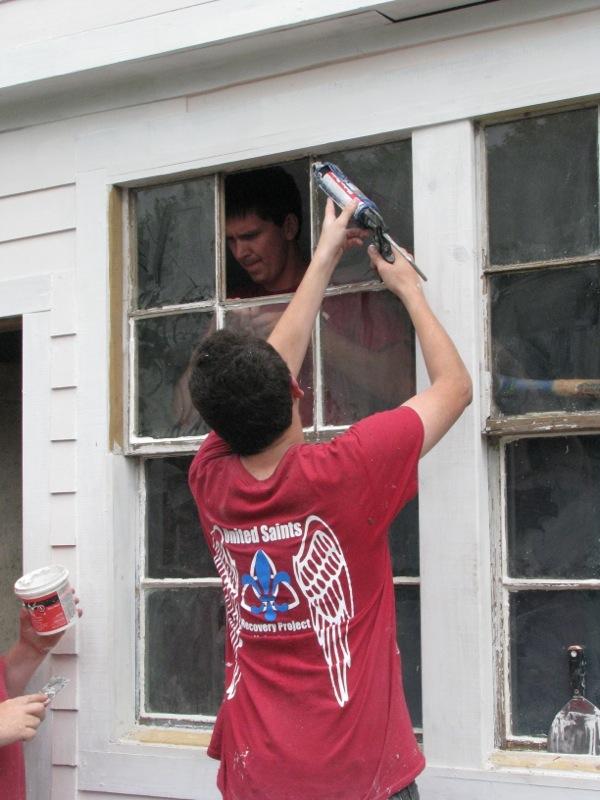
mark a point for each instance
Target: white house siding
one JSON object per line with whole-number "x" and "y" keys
{"x": 97, "y": 94}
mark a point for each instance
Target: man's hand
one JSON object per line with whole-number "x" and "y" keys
{"x": 399, "y": 277}
{"x": 255, "y": 320}
{"x": 450, "y": 392}
{"x": 20, "y": 718}
{"x": 335, "y": 236}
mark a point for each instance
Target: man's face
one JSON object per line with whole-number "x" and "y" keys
{"x": 260, "y": 247}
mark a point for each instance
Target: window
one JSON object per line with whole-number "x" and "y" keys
{"x": 543, "y": 284}
{"x": 185, "y": 283}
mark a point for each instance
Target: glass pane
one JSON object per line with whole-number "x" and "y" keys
{"x": 175, "y": 542}
{"x": 553, "y": 507}
{"x": 404, "y": 541}
{"x": 185, "y": 645}
{"x": 545, "y": 334}
{"x": 368, "y": 355}
{"x": 176, "y": 243}
{"x": 264, "y": 256}
{"x": 543, "y": 187}
{"x": 260, "y": 321}
{"x": 164, "y": 348}
{"x": 542, "y": 626}
{"x": 408, "y": 629}
{"x": 384, "y": 174}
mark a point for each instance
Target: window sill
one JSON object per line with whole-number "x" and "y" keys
{"x": 544, "y": 762}
{"x": 168, "y": 736}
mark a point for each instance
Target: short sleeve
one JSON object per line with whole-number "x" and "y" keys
{"x": 390, "y": 444}
{"x": 212, "y": 447}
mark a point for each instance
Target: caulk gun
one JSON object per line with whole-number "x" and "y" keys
{"x": 342, "y": 191}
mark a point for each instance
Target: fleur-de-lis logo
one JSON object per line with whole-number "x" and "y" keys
{"x": 265, "y": 583}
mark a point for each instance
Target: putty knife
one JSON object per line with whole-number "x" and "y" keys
{"x": 576, "y": 727}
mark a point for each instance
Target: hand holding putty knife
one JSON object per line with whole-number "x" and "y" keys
{"x": 576, "y": 727}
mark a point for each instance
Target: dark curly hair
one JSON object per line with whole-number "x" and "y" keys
{"x": 270, "y": 193}
{"x": 240, "y": 385}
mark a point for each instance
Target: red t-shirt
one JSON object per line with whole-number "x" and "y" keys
{"x": 12, "y": 765}
{"x": 314, "y": 705}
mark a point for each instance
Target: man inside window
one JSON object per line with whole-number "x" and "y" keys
{"x": 314, "y": 706}
{"x": 368, "y": 347}
{"x": 263, "y": 222}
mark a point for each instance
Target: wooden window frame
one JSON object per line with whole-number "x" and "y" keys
{"x": 123, "y": 263}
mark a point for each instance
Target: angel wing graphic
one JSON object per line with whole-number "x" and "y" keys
{"x": 322, "y": 575}
{"x": 229, "y": 577}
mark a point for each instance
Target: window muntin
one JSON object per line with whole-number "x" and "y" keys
{"x": 542, "y": 282}
{"x": 177, "y": 577}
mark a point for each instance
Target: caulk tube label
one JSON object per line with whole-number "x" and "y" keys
{"x": 341, "y": 190}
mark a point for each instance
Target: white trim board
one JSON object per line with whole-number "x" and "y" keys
{"x": 421, "y": 86}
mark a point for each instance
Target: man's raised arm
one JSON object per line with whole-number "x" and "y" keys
{"x": 291, "y": 335}
{"x": 442, "y": 403}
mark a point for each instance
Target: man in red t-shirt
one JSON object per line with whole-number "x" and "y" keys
{"x": 314, "y": 707}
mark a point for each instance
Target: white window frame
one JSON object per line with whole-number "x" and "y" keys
{"x": 500, "y": 432}
{"x": 146, "y": 447}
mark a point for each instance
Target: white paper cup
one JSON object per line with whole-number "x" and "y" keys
{"x": 47, "y": 595}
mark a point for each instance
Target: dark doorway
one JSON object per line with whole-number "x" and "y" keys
{"x": 11, "y": 487}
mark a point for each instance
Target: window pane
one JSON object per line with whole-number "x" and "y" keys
{"x": 260, "y": 321}
{"x": 164, "y": 348}
{"x": 545, "y": 334}
{"x": 408, "y": 628}
{"x": 176, "y": 243}
{"x": 553, "y": 507}
{"x": 175, "y": 542}
{"x": 542, "y": 626}
{"x": 368, "y": 355}
{"x": 384, "y": 174}
{"x": 404, "y": 540}
{"x": 543, "y": 187}
{"x": 185, "y": 640}
{"x": 268, "y": 263}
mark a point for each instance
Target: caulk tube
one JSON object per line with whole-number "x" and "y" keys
{"x": 342, "y": 191}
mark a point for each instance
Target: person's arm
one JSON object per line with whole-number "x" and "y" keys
{"x": 292, "y": 333}
{"x": 27, "y": 653}
{"x": 442, "y": 403}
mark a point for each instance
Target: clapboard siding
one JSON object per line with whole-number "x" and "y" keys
{"x": 63, "y": 519}
{"x": 64, "y": 738}
{"x": 63, "y": 414}
{"x": 40, "y": 255}
{"x": 63, "y": 364}
{"x": 43, "y": 156}
{"x": 36, "y": 213}
{"x": 63, "y": 467}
